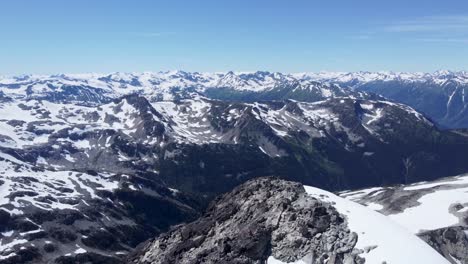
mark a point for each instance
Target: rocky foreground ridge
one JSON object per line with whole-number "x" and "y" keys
{"x": 273, "y": 221}
{"x": 261, "y": 219}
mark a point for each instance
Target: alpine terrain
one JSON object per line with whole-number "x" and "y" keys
{"x": 171, "y": 167}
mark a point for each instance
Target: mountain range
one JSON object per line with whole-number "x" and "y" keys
{"x": 93, "y": 165}
{"x": 440, "y": 95}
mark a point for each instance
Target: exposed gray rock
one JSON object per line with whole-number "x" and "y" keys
{"x": 261, "y": 218}
{"x": 451, "y": 242}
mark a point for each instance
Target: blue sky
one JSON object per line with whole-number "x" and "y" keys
{"x": 55, "y": 36}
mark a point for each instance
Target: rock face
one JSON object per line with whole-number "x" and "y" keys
{"x": 450, "y": 242}
{"x": 262, "y": 218}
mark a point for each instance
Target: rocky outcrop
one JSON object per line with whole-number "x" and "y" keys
{"x": 451, "y": 242}
{"x": 262, "y": 218}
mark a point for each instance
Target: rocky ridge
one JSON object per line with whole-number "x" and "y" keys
{"x": 259, "y": 220}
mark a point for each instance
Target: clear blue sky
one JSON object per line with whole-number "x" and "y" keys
{"x": 54, "y": 36}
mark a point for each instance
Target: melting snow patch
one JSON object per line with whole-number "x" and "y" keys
{"x": 367, "y": 106}
{"x": 82, "y": 144}
{"x": 433, "y": 210}
{"x": 8, "y": 256}
{"x": 3, "y": 247}
{"x": 80, "y": 251}
{"x": 7, "y": 234}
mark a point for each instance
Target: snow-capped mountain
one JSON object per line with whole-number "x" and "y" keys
{"x": 358, "y": 78}
{"x": 440, "y": 95}
{"x": 437, "y": 211}
{"x": 99, "y": 88}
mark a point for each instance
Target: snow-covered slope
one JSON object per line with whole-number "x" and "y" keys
{"x": 437, "y": 211}
{"x": 381, "y": 239}
{"x": 421, "y": 206}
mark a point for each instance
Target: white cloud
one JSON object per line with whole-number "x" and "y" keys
{"x": 442, "y": 24}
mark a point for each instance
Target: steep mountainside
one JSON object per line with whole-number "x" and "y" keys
{"x": 272, "y": 221}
